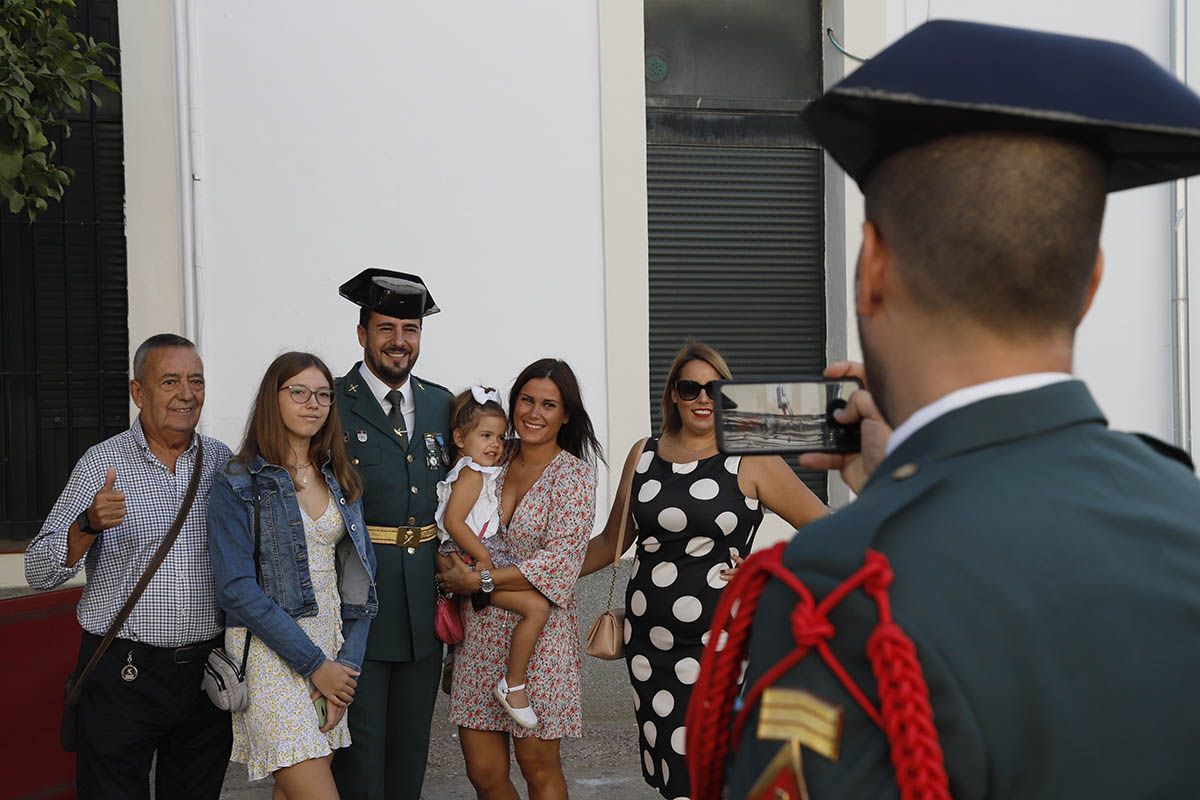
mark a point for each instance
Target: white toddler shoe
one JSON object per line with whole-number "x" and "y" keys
{"x": 522, "y": 716}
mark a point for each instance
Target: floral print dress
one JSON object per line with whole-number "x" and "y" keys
{"x": 280, "y": 726}
{"x": 548, "y": 536}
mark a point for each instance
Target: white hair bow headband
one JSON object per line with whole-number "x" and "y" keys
{"x": 483, "y": 395}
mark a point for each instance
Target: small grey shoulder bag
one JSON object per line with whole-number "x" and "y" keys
{"x": 224, "y": 679}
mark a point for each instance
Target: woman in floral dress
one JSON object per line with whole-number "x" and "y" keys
{"x": 295, "y": 576}
{"x": 547, "y": 505}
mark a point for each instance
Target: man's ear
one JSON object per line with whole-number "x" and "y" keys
{"x": 135, "y": 392}
{"x": 362, "y": 336}
{"x": 1093, "y": 284}
{"x": 873, "y": 262}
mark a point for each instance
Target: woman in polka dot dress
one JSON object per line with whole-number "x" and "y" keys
{"x": 695, "y": 514}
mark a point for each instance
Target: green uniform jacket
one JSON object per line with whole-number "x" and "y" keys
{"x": 401, "y": 489}
{"x": 1048, "y": 571}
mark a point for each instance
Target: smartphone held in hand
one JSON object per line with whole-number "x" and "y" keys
{"x": 794, "y": 415}
{"x": 322, "y": 707}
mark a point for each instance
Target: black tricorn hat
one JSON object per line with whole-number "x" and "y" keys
{"x": 951, "y": 77}
{"x": 394, "y": 294}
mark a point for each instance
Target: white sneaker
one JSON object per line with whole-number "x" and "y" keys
{"x": 522, "y": 716}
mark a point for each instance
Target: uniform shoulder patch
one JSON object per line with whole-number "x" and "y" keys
{"x": 1167, "y": 450}
{"x": 431, "y": 386}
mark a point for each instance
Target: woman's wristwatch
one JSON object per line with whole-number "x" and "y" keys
{"x": 486, "y": 584}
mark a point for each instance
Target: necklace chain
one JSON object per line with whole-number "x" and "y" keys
{"x": 303, "y": 479}
{"x": 679, "y": 443}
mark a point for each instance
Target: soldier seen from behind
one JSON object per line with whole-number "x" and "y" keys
{"x": 1009, "y": 608}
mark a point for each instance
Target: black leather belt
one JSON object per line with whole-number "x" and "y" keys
{"x": 188, "y": 654}
{"x": 196, "y": 652}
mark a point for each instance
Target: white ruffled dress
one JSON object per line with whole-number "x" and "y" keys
{"x": 484, "y": 516}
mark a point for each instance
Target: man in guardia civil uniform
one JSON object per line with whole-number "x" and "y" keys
{"x": 1010, "y": 607}
{"x": 397, "y": 432}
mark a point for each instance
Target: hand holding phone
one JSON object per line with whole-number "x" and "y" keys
{"x": 322, "y": 706}
{"x": 795, "y": 415}
{"x": 874, "y": 434}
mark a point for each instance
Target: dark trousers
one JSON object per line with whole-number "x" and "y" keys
{"x": 389, "y": 727}
{"x": 122, "y": 724}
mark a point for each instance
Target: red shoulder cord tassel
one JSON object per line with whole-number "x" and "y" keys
{"x": 905, "y": 714}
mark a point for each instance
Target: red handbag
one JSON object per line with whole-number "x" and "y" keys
{"x": 447, "y": 620}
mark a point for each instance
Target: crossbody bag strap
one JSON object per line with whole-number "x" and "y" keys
{"x": 155, "y": 562}
{"x": 628, "y": 488}
{"x": 257, "y": 562}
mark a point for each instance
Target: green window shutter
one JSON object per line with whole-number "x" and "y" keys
{"x": 64, "y": 311}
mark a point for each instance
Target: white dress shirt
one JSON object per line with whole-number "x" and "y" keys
{"x": 408, "y": 406}
{"x": 960, "y": 398}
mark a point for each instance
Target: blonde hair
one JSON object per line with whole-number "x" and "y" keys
{"x": 692, "y": 351}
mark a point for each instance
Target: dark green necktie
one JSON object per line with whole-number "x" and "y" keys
{"x": 396, "y": 416}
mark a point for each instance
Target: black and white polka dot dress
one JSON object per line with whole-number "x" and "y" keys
{"x": 688, "y": 519}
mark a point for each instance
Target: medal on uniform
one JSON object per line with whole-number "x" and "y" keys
{"x": 432, "y": 453}
{"x": 800, "y": 720}
{"x": 129, "y": 672}
{"x": 445, "y": 450}
{"x": 361, "y": 436}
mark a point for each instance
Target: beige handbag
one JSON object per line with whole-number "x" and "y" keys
{"x": 606, "y": 639}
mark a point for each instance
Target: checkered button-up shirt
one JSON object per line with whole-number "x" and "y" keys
{"x": 179, "y": 607}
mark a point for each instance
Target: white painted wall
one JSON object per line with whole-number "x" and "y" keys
{"x": 1124, "y": 345}
{"x": 467, "y": 148}
{"x": 152, "y": 222}
{"x": 461, "y": 143}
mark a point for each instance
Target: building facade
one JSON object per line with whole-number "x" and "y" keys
{"x": 273, "y": 149}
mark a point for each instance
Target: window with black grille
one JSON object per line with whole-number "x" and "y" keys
{"x": 735, "y": 187}
{"x": 64, "y": 333}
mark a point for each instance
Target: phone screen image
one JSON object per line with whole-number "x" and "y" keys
{"x": 784, "y": 416}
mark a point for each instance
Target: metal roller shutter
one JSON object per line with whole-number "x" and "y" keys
{"x": 737, "y": 260}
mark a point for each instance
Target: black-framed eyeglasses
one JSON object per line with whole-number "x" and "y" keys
{"x": 690, "y": 390}
{"x": 300, "y": 394}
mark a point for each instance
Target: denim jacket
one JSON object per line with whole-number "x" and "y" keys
{"x": 270, "y": 611}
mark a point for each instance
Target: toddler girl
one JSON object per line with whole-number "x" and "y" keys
{"x": 468, "y": 520}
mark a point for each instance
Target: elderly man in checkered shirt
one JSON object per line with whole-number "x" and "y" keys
{"x": 120, "y": 501}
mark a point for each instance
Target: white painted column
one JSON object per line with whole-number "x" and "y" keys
{"x": 626, "y": 239}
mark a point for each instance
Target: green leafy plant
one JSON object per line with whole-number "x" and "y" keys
{"x": 46, "y": 72}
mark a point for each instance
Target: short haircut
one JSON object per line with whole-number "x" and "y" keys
{"x": 159, "y": 341}
{"x": 1000, "y": 229}
{"x": 364, "y": 317}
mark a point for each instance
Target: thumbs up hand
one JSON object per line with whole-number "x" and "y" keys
{"x": 108, "y": 507}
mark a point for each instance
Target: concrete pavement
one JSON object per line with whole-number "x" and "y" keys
{"x": 604, "y": 765}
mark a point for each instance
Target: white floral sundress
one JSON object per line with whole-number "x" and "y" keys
{"x": 279, "y": 727}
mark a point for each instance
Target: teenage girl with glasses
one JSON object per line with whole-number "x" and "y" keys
{"x": 289, "y": 506}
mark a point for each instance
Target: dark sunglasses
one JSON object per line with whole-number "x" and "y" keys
{"x": 690, "y": 390}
